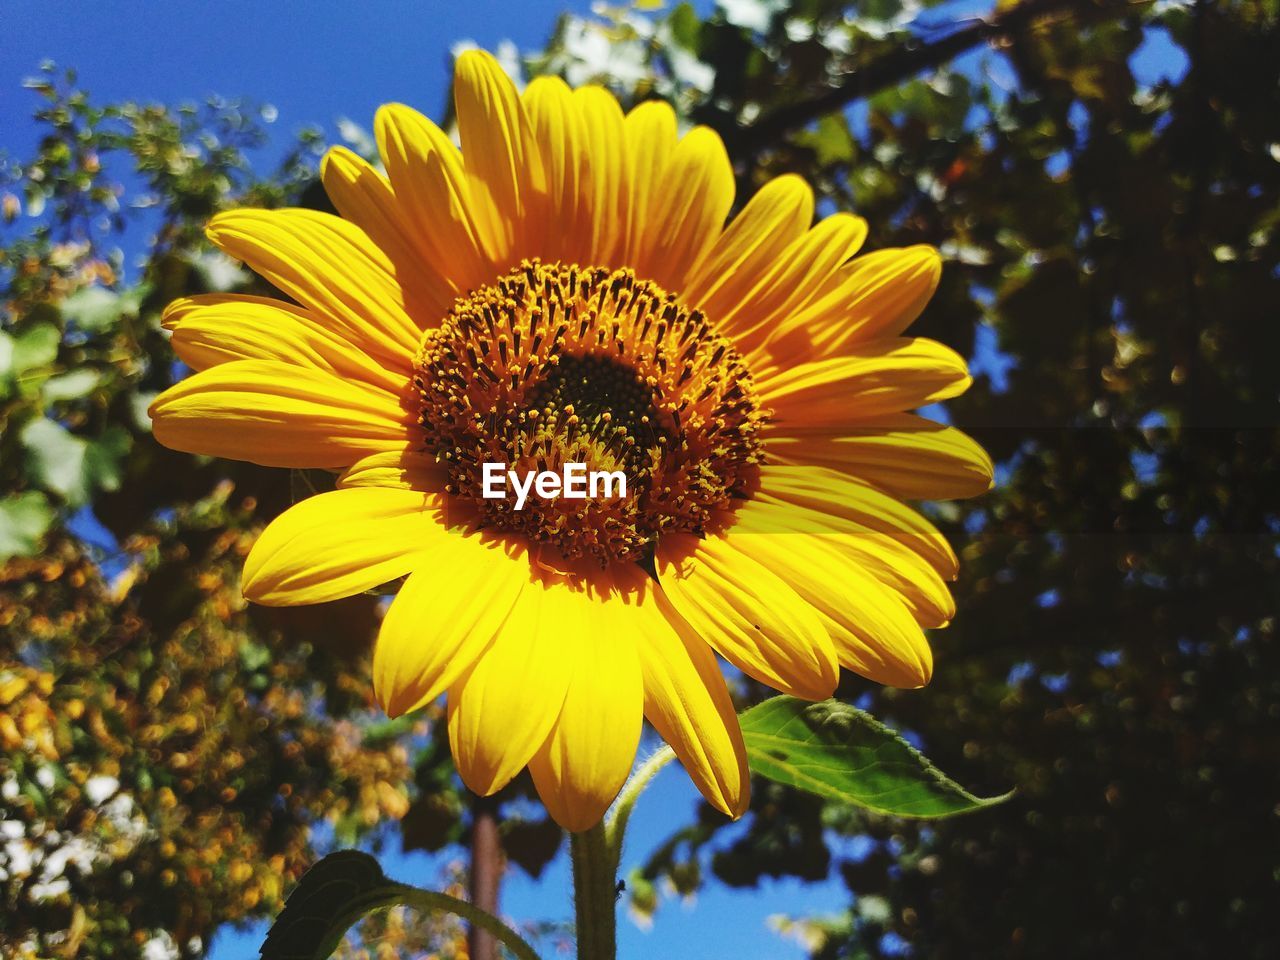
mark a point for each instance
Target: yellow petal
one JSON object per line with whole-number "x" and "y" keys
{"x": 444, "y": 618}
{"x": 504, "y": 166}
{"x": 873, "y": 632}
{"x": 778, "y": 215}
{"x": 883, "y": 556}
{"x": 903, "y": 454}
{"x": 874, "y": 296}
{"x": 903, "y": 571}
{"x": 650, "y": 137}
{"x": 430, "y": 182}
{"x": 687, "y": 210}
{"x": 177, "y": 310}
{"x": 748, "y": 614}
{"x": 503, "y": 709}
{"x": 329, "y": 266}
{"x": 792, "y": 279}
{"x": 277, "y": 415}
{"x": 591, "y": 750}
{"x": 339, "y": 543}
{"x": 562, "y": 141}
{"x": 847, "y": 505}
{"x": 603, "y": 126}
{"x": 405, "y": 466}
{"x": 884, "y": 376}
{"x": 686, "y": 700}
{"x": 363, "y": 196}
{"x": 214, "y": 329}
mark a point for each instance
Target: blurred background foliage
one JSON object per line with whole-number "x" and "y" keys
{"x": 1113, "y": 267}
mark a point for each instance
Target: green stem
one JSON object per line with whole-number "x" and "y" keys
{"x": 616, "y": 824}
{"x": 595, "y": 894}
{"x": 429, "y": 900}
{"x": 596, "y": 854}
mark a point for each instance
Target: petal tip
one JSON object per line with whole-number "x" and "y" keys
{"x": 338, "y": 161}
{"x": 731, "y": 798}
{"x": 474, "y": 65}
{"x": 388, "y": 113}
{"x": 915, "y": 672}
{"x": 251, "y": 586}
{"x": 392, "y": 706}
{"x": 221, "y": 226}
{"x": 476, "y": 56}
{"x": 732, "y": 801}
{"x": 176, "y": 310}
{"x": 577, "y": 819}
{"x": 549, "y": 84}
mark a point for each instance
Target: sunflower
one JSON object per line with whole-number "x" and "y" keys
{"x": 563, "y": 290}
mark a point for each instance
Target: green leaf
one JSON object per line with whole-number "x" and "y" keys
{"x": 70, "y": 386}
{"x": 842, "y": 753}
{"x": 131, "y": 299}
{"x": 331, "y": 896}
{"x": 71, "y": 466}
{"x": 686, "y": 26}
{"x": 347, "y": 885}
{"x": 830, "y": 140}
{"x": 6, "y": 364}
{"x": 93, "y": 309}
{"x": 6, "y": 354}
{"x": 24, "y": 518}
{"x": 139, "y": 404}
{"x": 104, "y": 458}
{"x": 55, "y": 459}
{"x": 254, "y": 656}
{"x": 36, "y": 346}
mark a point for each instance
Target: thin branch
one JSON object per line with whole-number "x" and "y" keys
{"x": 486, "y": 875}
{"x": 907, "y": 61}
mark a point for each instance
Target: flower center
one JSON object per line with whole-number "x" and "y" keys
{"x": 557, "y": 364}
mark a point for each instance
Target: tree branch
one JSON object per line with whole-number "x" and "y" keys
{"x": 906, "y": 61}
{"x": 486, "y": 875}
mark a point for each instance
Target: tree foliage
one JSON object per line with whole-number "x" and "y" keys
{"x": 158, "y": 736}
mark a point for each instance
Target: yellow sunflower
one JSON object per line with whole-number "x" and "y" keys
{"x": 563, "y": 290}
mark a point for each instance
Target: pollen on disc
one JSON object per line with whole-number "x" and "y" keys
{"x": 557, "y": 364}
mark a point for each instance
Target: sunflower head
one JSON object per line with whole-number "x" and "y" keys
{"x": 567, "y": 289}
{"x": 556, "y": 364}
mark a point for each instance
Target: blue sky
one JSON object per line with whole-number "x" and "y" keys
{"x": 337, "y": 59}
{"x": 343, "y": 60}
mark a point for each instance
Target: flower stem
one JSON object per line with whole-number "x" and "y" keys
{"x": 595, "y": 893}
{"x": 616, "y": 824}
{"x": 596, "y": 854}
